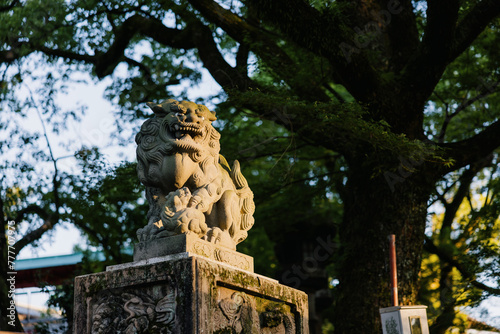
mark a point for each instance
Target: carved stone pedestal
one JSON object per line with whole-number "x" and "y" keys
{"x": 191, "y": 245}
{"x": 186, "y": 293}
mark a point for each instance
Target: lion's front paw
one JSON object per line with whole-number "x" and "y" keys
{"x": 219, "y": 237}
{"x": 145, "y": 233}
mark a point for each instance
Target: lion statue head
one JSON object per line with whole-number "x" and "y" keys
{"x": 179, "y": 127}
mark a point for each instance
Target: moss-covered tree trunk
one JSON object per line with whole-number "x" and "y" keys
{"x": 392, "y": 202}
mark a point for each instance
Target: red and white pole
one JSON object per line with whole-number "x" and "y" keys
{"x": 394, "y": 271}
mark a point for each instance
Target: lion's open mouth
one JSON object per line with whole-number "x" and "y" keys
{"x": 188, "y": 131}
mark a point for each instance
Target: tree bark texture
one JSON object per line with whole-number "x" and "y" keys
{"x": 374, "y": 209}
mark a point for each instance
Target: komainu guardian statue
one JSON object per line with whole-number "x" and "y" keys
{"x": 189, "y": 185}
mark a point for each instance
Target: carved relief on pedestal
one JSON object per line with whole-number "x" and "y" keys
{"x": 221, "y": 255}
{"x": 132, "y": 312}
{"x": 244, "y": 313}
{"x": 232, "y": 259}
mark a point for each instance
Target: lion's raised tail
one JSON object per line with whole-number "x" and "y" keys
{"x": 247, "y": 205}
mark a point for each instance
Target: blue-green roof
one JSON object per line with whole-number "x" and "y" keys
{"x": 50, "y": 261}
{"x": 60, "y": 260}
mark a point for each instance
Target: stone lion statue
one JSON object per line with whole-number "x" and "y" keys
{"x": 189, "y": 186}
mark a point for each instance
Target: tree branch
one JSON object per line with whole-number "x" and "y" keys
{"x": 467, "y": 103}
{"x": 8, "y": 56}
{"x": 402, "y": 31}
{"x": 242, "y": 59}
{"x": 466, "y": 274}
{"x": 32, "y": 208}
{"x": 49, "y": 221}
{"x": 106, "y": 62}
{"x": 336, "y": 126}
{"x": 463, "y": 191}
{"x": 434, "y": 51}
{"x": 227, "y": 76}
{"x": 36, "y": 234}
{"x": 297, "y": 19}
{"x": 66, "y": 54}
{"x": 473, "y": 24}
{"x": 473, "y": 149}
{"x": 269, "y": 154}
{"x": 327, "y": 34}
{"x": 488, "y": 91}
{"x": 263, "y": 45}
{"x": 315, "y": 177}
{"x": 386, "y": 25}
{"x": 143, "y": 68}
{"x": 195, "y": 35}
{"x": 272, "y": 192}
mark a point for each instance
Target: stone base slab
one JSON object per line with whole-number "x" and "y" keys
{"x": 191, "y": 244}
{"x": 186, "y": 295}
